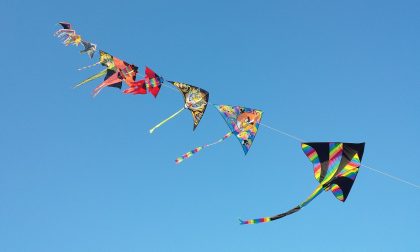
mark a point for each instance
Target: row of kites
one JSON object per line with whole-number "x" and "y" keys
{"x": 335, "y": 164}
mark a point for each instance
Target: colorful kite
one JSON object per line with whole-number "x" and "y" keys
{"x": 335, "y": 167}
{"x": 152, "y": 83}
{"x": 106, "y": 60}
{"x": 195, "y": 99}
{"x": 116, "y": 71}
{"x": 69, "y": 37}
{"x": 89, "y": 48}
{"x": 243, "y": 123}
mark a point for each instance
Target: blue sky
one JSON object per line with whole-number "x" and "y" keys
{"x": 83, "y": 174}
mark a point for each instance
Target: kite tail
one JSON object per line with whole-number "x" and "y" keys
{"x": 195, "y": 150}
{"x": 102, "y": 73}
{"x": 315, "y": 193}
{"x": 164, "y": 121}
{"x": 86, "y": 67}
{"x": 113, "y": 79}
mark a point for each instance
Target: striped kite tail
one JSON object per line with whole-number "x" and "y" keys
{"x": 255, "y": 221}
{"x": 86, "y": 67}
{"x": 188, "y": 154}
{"x": 195, "y": 150}
{"x": 272, "y": 218}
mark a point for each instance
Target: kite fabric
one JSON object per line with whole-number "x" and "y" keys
{"x": 335, "y": 168}
{"x": 195, "y": 99}
{"x": 243, "y": 123}
{"x": 70, "y": 37}
{"x": 151, "y": 83}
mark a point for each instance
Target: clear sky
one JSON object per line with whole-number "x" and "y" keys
{"x": 82, "y": 174}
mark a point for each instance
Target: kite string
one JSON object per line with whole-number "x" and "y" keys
{"x": 391, "y": 176}
{"x": 370, "y": 168}
{"x": 169, "y": 86}
{"x": 284, "y": 133}
{"x": 301, "y": 140}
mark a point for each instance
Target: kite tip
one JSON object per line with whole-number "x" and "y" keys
{"x": 241, "y": 222}
{"x": 151, "y": 131}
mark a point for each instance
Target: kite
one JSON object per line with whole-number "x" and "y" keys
{"x": 68, "y": 35}
{"x": 335, "y": 167}
{"x": 243, "y": 123}
{"x": 195, "y": 99}
{"x": 89, "y": 49}
{"x": 116, "y": 71}
{"x": 151, "y": 82}
{"x": 107, "y": 60}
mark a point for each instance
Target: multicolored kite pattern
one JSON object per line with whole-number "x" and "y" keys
{"x": 243, "y": 122}
{"x": 335, "y": 167}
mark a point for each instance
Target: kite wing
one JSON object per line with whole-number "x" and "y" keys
{"x": 335, "y": 167}
{"x": 153, "y": 81}
{"x": 195, "y": 99}
{"x": 110, "y": 73}
{"x": 243, "y": 122}
{"x": 127, "y": 72}
{"x": 65, "y": 25}
{"x": 138, "y": 87}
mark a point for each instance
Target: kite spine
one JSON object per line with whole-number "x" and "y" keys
{"x": 195, "y": 150}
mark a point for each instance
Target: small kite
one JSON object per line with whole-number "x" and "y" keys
{"x": 151, "y": 82}
{"x": 335, "y": 167}
{"x": 68, "y": 35}
{"x": 243, "y": 123}
{"x": 89, "y": 48}
{"x": 195, "y": 99}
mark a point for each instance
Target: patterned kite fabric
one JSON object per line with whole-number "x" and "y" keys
{"x": 313, "y": 157}
{"x": 195, "y": 150}
{"x": 243, "y": 122}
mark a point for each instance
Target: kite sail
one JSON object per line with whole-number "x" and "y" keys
{"x": 335, "y": 168}
{"x": 151, "y": 82}
{"x": 243, "y": 123}
{"x": 195, "y": 99}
